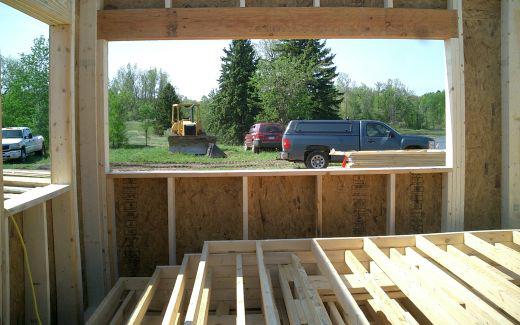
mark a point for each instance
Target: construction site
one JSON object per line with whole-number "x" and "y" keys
{"x": 384, "y": 241}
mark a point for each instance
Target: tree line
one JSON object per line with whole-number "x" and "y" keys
{"x": 272, "y": 81}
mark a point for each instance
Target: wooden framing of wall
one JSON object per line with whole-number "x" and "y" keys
{"x": 61, "y": 248}
{"x": 510, "y": 114}
{"x": 162, "y": 214}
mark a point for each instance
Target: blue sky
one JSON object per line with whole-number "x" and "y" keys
{"x": 194, "y": 65}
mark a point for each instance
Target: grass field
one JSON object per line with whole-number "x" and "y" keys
{"x": 137, "y": 156}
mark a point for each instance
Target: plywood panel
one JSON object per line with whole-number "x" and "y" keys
{"x": 483, "y": 113}
{"x": 280, "y": 3}
{"x": 207, "y": 209}
{"x": 16, "y": 275}
{"x": 354, "y": 205}
{"x": 282, "y": 207}
{"x": 418, "y": 203}
{"x": 141, "y": 225}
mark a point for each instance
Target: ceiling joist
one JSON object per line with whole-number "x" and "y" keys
{"x": 275, "y": 23}
{"x": 57, "y": 12}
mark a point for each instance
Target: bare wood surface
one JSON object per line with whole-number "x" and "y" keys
{"x": 275, "y": 23}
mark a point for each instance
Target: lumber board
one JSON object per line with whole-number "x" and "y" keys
{"x": 385, "y": 279}
{"x": 275, "y": 23}
{"x": 332, "y": 171}
{"x": 34, "y": 197}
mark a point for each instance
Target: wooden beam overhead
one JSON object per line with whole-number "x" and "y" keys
{"x": 55, "y": 12}
{"x": 275, "y": 23}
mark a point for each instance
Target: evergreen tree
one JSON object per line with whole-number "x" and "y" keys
{"x": 235, "y": 105}
{"x": 312, "y": 52}
{"x": 163, "y": 112}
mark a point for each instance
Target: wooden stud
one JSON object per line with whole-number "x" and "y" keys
{"x": 172, "y": 241}
{"x": 145, "y": 299}
{"x": 388, "y": 3}
{"x": 319, "y": 206}
{"x": 90, "y": 80}
{"x": 335, "y": 314}
{"x": 202, "y": 313}
{"x": 473, "y": 303}
{"x": 268, "y": 304}
{"x": 409, "y": 285}
{"x": 288, "y": 298}
{"x": 453, "y": 185}
{"x": 347, "y": 302}
{"x": 104, "y": 311}
{"x": 503, "y": 293}
{"x": 118, "y": 316}
{"x": 241, "y": 311}
{"x": 167, "y": 3}
{"x": 36, "y": 242}
{"x": 69, "y": 289}
{"x": 198, "y": 287}
{"x": 510, "y": 259}
{"x": 34, "y": 198}
{"x": 510, "y": 64}
{"x": 390, "y": 204}
{"x": 390, "y": 308}
{"x": 174, "y": 304}
{"x": 275, "y": 23}
{"x": 245, "y": 208}
{"x": 242, "y": 3}
{"x": 315, "y": 304}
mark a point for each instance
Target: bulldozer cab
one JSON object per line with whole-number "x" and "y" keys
{"x": 186, "y": 119}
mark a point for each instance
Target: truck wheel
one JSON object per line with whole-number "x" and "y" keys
{"x": 256, "y": 149}
{"x": 317, "y": 160}
{"x": 23, "y": 155}
{"x": 41, "y": 153}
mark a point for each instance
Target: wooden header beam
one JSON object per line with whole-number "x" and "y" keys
{"x": 55, "y": 12}
{"x": 275, "y": 23}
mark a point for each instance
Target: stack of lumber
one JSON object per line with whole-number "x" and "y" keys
{"x": 20, "y": 181}
{"x": 451, "y": 278}
{"x": 394, "y": 158}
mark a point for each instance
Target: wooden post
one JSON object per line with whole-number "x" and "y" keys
{"x": 510, "y": 114}
{"x": 172, "y": 241}
{"x": 4, "y": 240}
{"x": 453, "y": 215}
{"x": 390, "y": 204}
{"x": 69, "y": 289}
{"x": 319, "y": 206}
{"x": 111, "y": 230}
{"x": 245, "y": 208}
{"x": 91, "y": 106}
{"x": 36, "y": 241}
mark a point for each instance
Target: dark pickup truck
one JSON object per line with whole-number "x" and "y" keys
{"x": 312, "y": 141}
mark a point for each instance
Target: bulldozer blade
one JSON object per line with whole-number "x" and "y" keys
{"x": 215, "y": 152}
{"x": 194, "y": 145}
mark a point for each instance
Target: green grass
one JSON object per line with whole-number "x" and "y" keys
{"x": 32, "y": 162}
{"x": 141, "y": 154}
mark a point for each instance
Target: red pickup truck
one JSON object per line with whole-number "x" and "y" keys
{"x": 264, "y": 135}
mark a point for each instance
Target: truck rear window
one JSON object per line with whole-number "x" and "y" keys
{"x": 325, "y": 127}
{"x": 271, "y": 128}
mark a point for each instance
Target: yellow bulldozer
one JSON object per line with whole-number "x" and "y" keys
{"x": 187, "y": 135}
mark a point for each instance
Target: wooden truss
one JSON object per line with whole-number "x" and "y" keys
{"x": 448, "y": 278}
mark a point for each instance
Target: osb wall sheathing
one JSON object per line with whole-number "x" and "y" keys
{"x": 282, "y": 207}
{"x": 16, "y": 273}
{"x": 207, "y": 209}
{"x": 141, "y": 211}
{"x": 483, "y": 113}
{"x": 354, "y": 205}
{"x": 418, "y": 200}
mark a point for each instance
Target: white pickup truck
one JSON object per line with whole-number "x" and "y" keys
{"x": 19, "y": 142}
